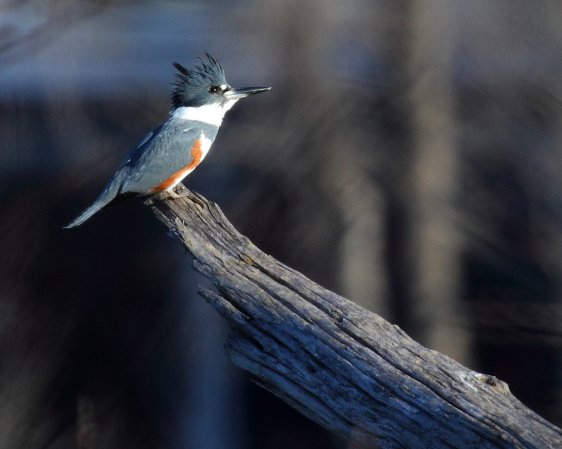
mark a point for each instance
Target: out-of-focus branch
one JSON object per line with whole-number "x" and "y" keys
{"x": 339, "y": 364}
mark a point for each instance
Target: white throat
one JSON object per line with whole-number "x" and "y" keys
{"x": 208, "y": 113}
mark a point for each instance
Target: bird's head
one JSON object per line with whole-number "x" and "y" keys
{"x": 205, "y": 85}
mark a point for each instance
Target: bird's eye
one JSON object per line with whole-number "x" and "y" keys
{"x": 215, "y": 89}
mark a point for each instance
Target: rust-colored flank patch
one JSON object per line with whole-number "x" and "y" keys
{"x": 197, "y": 157}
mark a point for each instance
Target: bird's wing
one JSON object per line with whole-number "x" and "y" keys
{"x": 133, "y": 156}
{"x": 158, "y": 157}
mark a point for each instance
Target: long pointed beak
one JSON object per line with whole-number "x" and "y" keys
{"x": 236, "y": 94}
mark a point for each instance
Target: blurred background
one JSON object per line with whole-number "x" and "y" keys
{"x": 408, "y": 157}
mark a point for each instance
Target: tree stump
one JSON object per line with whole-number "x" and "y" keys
{"x": 342, "y": 366}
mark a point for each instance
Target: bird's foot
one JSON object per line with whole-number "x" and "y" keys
{"x": 173, "y": 194}
{"x": 183, "y": 193}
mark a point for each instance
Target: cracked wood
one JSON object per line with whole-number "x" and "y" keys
{"x": 342, "y": 366}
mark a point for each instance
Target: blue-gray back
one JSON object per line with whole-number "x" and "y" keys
{"x": 163, "y": 152}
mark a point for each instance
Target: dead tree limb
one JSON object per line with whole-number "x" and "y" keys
{"x": 337, "y": 363}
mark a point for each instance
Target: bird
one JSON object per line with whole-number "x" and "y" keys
{"x": 200, "y": 98}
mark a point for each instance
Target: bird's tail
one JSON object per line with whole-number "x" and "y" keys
{"x": 109, "y": 194}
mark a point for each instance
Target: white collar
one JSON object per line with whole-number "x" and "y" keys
{"x": 211, "y": 114}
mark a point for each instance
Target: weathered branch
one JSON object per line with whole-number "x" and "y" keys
{"x": 339, "y": 364}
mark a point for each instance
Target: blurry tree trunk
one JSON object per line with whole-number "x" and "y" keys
{"x": 360, "y": 205}
{"x": 339, "y": 364}
{"x": 318, "y": 110}
{"x": 554, "y": 242}
{"x": 435, "y": 241}
{"x": 393, "y": 31}
{"x": 553, "y": 246}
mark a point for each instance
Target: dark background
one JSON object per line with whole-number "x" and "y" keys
{"x": 407, "y": 157}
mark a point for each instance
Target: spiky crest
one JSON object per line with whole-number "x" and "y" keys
{"x": 190, "y": 87}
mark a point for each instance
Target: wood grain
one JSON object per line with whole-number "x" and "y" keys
{"x": 341, "y": 365}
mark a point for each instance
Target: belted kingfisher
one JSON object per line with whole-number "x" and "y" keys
{"x": 200, "y": 98}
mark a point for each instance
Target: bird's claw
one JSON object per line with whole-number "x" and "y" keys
{"x": 173, "y": 194}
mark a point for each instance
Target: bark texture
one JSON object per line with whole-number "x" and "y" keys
{"x": 341, "y": 365}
